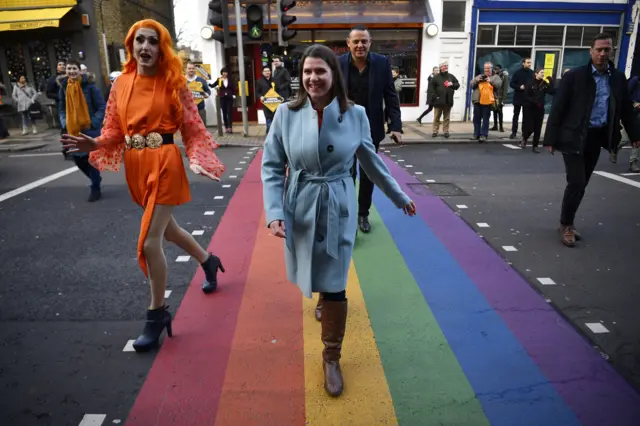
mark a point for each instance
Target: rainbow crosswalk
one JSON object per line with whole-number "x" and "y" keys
{"x": 441, "y": 331}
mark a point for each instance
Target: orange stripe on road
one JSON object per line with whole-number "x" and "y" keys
{"x": 264, "y": 381}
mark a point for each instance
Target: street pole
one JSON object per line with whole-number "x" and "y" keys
{"x": 243, "y": 92}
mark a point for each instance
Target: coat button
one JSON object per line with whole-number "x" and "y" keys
{"x": 320, "y": 238}
{"x": 330, "y": 148}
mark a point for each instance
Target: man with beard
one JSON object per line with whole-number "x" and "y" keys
{"x": 585, "y": 117}
{"x": 366, "y": 73}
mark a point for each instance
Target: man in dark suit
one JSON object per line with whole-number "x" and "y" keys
{"x": 585, "y": 117}
{"x": 365, "y": 74}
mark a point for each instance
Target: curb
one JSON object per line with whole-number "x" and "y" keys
{"x": 22, "y": 147}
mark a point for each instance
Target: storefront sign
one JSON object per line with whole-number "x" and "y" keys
{"x": 20, "y": 26}
{"x": 409, "y": 82}
{"x": 35, "y": 4}
{"x": 295, "y": 84}
{"x": 272, "y": 100}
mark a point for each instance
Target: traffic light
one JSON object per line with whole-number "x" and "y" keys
{"x": 255, "y": 22}
{"x": 285, "y": 34}
{"x": 219, "y": 17}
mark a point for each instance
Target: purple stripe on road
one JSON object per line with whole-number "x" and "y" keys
{"x": 588, "y": 384}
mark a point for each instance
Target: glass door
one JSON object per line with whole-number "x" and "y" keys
{"x": 549, "y": 59}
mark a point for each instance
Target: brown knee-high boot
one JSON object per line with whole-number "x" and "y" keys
{"x": 334, "y": 320}
{"x": 319, "y": 308}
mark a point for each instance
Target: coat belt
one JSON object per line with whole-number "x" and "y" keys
{"x": 333, "y": 217}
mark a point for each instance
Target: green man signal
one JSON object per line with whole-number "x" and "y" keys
{"x": 255, "y": 22}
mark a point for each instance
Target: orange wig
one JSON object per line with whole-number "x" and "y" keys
{"x": 169, "y": 63}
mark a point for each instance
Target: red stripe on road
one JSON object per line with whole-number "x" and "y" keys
{"x": 264, "y": 384}
{"x": 184, "y": 385}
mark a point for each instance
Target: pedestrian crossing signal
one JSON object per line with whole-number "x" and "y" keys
{"x": 255, "y": 22}
{"x": 284, "y": 20}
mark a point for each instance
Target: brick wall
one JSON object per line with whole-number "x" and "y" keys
{"x": 120, "y": 15}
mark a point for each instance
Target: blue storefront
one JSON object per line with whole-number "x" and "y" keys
{"x": 555, "y": 35}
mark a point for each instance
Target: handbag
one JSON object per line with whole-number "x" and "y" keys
{"x": 35, "y": 109}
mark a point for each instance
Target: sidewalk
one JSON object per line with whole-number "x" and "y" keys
{"x": 16, "y": 142}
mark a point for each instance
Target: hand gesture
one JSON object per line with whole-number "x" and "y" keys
{"x": 398, "y": 137}
{"x": 277, "y": 228}
{"x": 199, "y": 170}
{"x": 410, "y": 208}
{"x": 82, "y": 143}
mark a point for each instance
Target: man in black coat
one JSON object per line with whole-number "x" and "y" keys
{"x": 370, "y": 84}
{"x": 585, "y": 116}
{"x": 518, "y": 81}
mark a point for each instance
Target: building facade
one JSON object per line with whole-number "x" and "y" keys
{"x": 36, "y": 34}
{"x": 555, "y": 35}
{"x": 398, "y": 30}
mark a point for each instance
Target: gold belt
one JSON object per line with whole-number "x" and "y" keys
{"x": 137, "y": 141}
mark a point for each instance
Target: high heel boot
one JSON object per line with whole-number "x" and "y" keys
{"x": 210, "y": 267}
{"x": 334, "y": 320}
{"x": 157, "y": 320}
{"x": 319, "y": 308}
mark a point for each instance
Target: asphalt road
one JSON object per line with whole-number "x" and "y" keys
{"x": 512, "y": 198}
{"x": 71, "y": 293}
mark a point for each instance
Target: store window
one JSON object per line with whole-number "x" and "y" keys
{"x": 16, "y": 63}
{"x": 292, "y": 54}
{"x": 402, "y": 47}
{"x": 453, "y": 13}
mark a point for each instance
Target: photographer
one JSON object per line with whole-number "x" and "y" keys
{"x": 483, "y": 97}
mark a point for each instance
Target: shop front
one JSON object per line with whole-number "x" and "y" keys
{"x": 397, "y": 30}
{"x": 556, "y": 36}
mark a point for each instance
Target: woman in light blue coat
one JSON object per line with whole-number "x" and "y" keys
{"x": 315, "y": 137}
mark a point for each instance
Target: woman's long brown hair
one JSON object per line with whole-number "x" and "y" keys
{"x": 338, "y": 87}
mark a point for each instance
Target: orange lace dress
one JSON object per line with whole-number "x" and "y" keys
{"x": 140, "y": 105}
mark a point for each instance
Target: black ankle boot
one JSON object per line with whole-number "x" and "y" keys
{"x": 157, "y": 320}
{"x": 211, "y": 266}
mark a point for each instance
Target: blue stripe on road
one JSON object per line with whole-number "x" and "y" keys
{"x": 507, "y": 382}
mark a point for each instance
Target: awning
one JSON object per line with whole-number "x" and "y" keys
{"x": 16, "y": 20}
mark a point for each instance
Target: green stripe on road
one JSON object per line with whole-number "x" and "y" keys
{"x": 427, "y": 385}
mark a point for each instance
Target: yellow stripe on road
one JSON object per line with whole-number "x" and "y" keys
{"x": 366, "y": 399}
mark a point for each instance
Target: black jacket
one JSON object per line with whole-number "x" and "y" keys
{"x": 536, "y": 91}
{"x": 438, "y": 94}
{"x": 283, "y": 82}
{"x": 520, "y": 78}
{"x": 381, "y": 88}
{"x": 568, "y": 121}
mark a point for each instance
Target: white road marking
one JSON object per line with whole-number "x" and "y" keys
{"x": 37, "y": 183}
{"x": 408, "y": 166}
{"x": 93, "y": 419}
{"x": 245, "y": 158}
{"x": 630, "y": 174}
{"x": 218, "y": 197}
{"x": 400, "y": 161}
{"x": 198, "y": 232}
{"x": 167, "y": 293}
{"x": 209, "y": 213}
{"x": 233, "y": 177}
{"x": 238, "y": 168}
{"x": 546, "y": 281}
{"x": 393, "y": 155}
{"x": 462, "y": 206}
{"x": 417, "y": 173}
{"x": 431, "y": 181}
{"x": 596, "y": 327}
{"x": 242, "y": 162}
{"x": 483, "y": 225}
{"x": 42, "y": 154}
{"x": 226, "y": 186}
{"x": 509, "y": 248}
{"x": 615, "y": 177}
{"x": 129, "y": 346}
{"x": 510, "y": 146}
{"x": 183, "y": 258}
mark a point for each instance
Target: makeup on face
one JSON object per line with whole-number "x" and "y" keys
{"x": 146, "y": 47}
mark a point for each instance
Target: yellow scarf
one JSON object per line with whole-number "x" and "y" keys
{"x": 77, "y": 109}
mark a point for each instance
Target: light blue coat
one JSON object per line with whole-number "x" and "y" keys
{"x": 318, "y": 203}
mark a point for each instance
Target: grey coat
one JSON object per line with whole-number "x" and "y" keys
{"x": 318, "y": 202}
{"x": 23, "y": 97}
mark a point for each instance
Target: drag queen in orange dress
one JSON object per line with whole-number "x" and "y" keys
{"x": 148, "y": 103}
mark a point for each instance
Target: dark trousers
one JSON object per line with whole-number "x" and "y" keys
{"x": 532, "y": 123}
{"x": 579, "y": 168}
{"x": 366, "y": 187}
{"x": 226, "y": 105}
{"x": 481, "y": 115}
{"x": 82, "y": 161}
{"x": 498, "y": 116}
{"x": 427, "y": 111}
{"x": 516, "y": 116}
{"x": 340, "y": 296}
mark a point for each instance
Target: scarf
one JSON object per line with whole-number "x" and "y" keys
{"x": 77, "y": 109}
